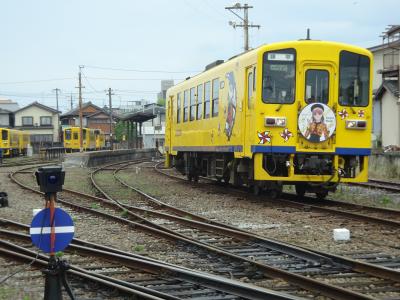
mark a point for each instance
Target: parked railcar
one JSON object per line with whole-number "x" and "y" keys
{"x": 297, "y": 113}
{"x": 72, "y": 139}
{"x": 13, "y": 142}
{"x": 100, "y": 139}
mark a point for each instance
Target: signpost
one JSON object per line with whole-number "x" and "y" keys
{"x": 41, "y": 230}
{"x": 52, "y": 230}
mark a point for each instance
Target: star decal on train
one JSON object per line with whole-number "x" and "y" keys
{"x": 286, "y": 134}
{"x": 343, "y": 114}
{"x": 361, "y": 113}
{"x": 265, "y": 137}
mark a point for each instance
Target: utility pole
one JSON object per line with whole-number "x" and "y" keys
{"x": 71, "y": 102}
{"x": 57, "y": 90}
{"x": 245, "y": 20}
{"x": 111, "y": 118}
{"x": 80, "y": 111}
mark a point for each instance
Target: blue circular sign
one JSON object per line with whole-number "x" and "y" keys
{"x": 40, "y": 230}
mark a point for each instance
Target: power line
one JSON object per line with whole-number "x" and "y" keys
{"x": 131, "y": 79}
{"x": 245, "y": 20}
{"x": 139, "y": 70}
{"x": 36, "y": 81}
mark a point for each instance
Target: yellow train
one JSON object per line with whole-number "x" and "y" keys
{"x": 296, "y": 113}
{"x": 93, "y": 139}
{"x": 14, "y": 142}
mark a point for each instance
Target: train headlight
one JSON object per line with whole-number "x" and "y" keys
{"x": 356, "y": 124}
{"x": 275, "y": 122}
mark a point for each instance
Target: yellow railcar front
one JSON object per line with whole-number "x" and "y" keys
{"x": 286, "y": 113}
{"x": 10, "y": 142}
{"x": 100, "y": 140}
{"x": 72, "y": 139}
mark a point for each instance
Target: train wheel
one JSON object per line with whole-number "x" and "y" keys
{"x": 256, "y": 190}
{"x": 321, "y": 195}
{"x": 274, "y": 193}
{"x": 300, "y": 190}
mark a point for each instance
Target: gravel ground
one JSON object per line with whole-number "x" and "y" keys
{"x": 265, "y": 217}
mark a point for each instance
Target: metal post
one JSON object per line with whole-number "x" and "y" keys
{"x": 80, "y": 111}
{"x": 111, "y": 119}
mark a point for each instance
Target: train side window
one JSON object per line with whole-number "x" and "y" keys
{"x": 207, "y": 95}
{"x": 4, "y": 135}
{"x": 249, "y": 87}
{"x": 215, "y": 97}
{"x": 178, "y": 108}
{"x": 317, "y": 86}
{"x": 192, "y": 104}
{"x": 199, "y": 108}
{"x": 254, "y": 79}
{"x": 75, "y": 135}
{"x": 67, "y": 134}
{"x": 185, "y": 105}
{"x": 279, "y": 76}
{"x": 84, "y": 134}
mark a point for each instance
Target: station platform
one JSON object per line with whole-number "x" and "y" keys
{"x": 97, "y": 158}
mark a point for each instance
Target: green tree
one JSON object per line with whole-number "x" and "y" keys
{"x": 161, "y": 101}
{"x": 120, "y": 130}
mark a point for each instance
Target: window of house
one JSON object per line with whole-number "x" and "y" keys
{"x": 178, "y": 108}
{"x": 199, "y": 108}
{"x": 4, "y": 135}
{"x": 185, "y": 105}
{"x": 215, "y": 97}
{"x": 207, "y": 95}
{"x": 27, "y": 121}
{"x": 45, "y": 121}
{"x": 192, "y": 104}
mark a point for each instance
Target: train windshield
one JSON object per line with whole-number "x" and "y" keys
{"x": 67, "y": 134}
{"x": 279, "y": 69}
{"x": 353, "y": 79}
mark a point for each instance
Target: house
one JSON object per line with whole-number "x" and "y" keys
{"x": 7, "y": 109}
{"x": 41, "y": 121}
{"x": 386, "y": 73}
{"x": 92, "y": 117}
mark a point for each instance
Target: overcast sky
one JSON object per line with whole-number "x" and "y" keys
{"x": 44, "y": 42}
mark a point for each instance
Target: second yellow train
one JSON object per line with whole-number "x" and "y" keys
{"x": 13, "y": 142}
{"x": 93, "y": 139}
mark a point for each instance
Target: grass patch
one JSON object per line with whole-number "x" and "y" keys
{"x": 138, "y": 248}
{"x": 124, "y": 213}
{"x": 95, "y": 206}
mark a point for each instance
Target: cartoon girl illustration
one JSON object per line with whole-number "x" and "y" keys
{"x": 317, "y": 131}
{"x": 231, "y": 110}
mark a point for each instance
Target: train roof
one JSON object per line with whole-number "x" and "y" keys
{"x": 285, "y": 44}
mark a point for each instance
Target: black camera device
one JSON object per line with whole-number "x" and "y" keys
{"x": 50, "y": 178}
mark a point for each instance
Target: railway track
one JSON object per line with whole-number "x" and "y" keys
{"x": 240, "y": 248}
{"x": 371, "y": 214}
{"x": 268, "y": 258}
{"x": 132, "y": 274}
{"x": 387, "y": 185}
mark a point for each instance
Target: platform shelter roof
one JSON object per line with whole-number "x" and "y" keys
{"x": 143, "y": 115}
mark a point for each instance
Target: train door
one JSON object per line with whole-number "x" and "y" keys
{"x": 250, "y": 96}
{"x": 169, "y": 124}
{"x": 318, "y": 86}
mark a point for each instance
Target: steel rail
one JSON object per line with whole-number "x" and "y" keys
{"x": 308, "y": 283}
{"x": 379, "y": 184}
{"x": 8, "y": 249}
{"x": 211, "y": 281}
{"x": 294, "y": 201}
{"x": 367, "y": 268}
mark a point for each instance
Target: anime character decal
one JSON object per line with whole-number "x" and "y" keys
{"x": 231, "y": 105}
{"x": 317, "y": 122}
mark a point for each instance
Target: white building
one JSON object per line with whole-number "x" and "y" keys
{"x": 386, "y": 73}
{"x": 41, "y": 121}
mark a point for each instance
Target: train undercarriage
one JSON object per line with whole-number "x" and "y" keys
{"x": 325, "y": 169}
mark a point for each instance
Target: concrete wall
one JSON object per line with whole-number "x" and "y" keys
{"x": 386, "y": 165}
{"x": 378, "y": 65}
{"x": 97, "y": 158}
